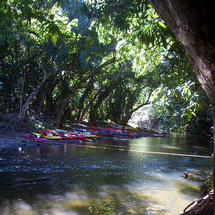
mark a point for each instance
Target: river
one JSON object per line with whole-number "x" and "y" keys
{"x": 140, "y": 176}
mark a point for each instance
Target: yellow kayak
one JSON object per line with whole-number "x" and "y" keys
{"x": 127, "y": 127}
{"x": 131, "y": 128}
{"x": 53, "y": 137}
{"x": 91, "y": 135}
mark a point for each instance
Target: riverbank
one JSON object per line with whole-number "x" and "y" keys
{"x": 12, "y": 137}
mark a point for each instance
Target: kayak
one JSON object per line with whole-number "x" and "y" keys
{"x": 91, "y": 135}
{"x": 125, "y": 127}
{"x": 79, "y": 129}
{"x": 67, "y": 137}
{"x": 34, "y": 137}
{"x": 97, "y": 128}
{"x": 108, "y": 134}
{"x": 136, "y": 135}
{"x": 51, "y": 137}
{"x": 131, "y": 128}
{"x": 119, "y": 133}
{"x": 78, "y": 136}
{"x": 130, "y": 134}
{"x": 94, "y": 128}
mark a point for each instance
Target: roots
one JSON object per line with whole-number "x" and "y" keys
{"x": 203, "y": 206}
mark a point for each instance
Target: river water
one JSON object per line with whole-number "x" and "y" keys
{"x": 140, "y": 176}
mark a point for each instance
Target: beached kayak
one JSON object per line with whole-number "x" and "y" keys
{"x": 107, "y": 134}
{"x": 78, "y": 136}
{"x": 34, "y": 137}
{"x": 89, "y": 134}
{"x": 51, "y": 137}
{"x": 67, "y": 137}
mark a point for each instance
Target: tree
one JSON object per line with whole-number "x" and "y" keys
{"x": 192, "y": 23}
{"x": 77, "y": 86}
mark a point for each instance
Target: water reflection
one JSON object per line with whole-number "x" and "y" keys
{"x": 102, "y": 178}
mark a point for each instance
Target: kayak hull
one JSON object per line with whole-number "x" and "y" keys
{"x": 53, "y": 137}
{"x": 32, "y": 137}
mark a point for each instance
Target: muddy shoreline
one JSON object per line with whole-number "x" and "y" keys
{"x": 10, "y": 138}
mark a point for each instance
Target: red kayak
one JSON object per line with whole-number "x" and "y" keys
{"x": 103, "y": 134}
{"x": 34, "y": 137}
{"x": 78, "y": 136}
{"x": 67, "y": 137}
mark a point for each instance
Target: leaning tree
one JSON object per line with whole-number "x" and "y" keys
{"x": 193, "y": 24}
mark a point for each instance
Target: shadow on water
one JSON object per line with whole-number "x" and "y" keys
{"x": 112, "y": 200}
{"x": 187, "y": 189}
{"x": 100, "y": 178}
{"x": 192, "y": 185}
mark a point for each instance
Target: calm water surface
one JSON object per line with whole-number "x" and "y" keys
{"x": 104, "y": 178}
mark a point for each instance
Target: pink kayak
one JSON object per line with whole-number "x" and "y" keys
{"x": 78, "y": 136}
{"x": 34, "y": 137}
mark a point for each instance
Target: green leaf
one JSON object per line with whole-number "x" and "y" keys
{"x": 162, "y": 24}
{"x": 88, "y": 59}
{"x": 54, "y": 32}
{"x": 54, "y": 37}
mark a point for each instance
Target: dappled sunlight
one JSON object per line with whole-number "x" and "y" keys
{"x": 187, "y": 188}
{"x": 171, "y": 147}
{"x": 107, "y": 200}
{"x": 164, "y": 193}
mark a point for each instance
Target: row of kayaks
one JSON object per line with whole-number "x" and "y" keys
{"x": 78, "y": 133}
{"x": 56, "y": 135}
{"x": 110, "y": 131}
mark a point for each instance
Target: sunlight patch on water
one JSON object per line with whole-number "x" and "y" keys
{"x": 165, "y": 197}
{"x": 171, "y": 147}
{"x": 170, "y": 192}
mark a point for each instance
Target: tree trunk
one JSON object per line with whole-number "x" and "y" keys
{"x": 128, "y": 114}
{"x": 32, "y": 95}
{"x": 214, "y": 155}
{"x": 77, "y": 86}
{"x": 96, "y": 95}
{"x": 42, "y": 94}
{"x": 63, "y": 107}
{"x": 193, "y": 24}
{"x": 40, "y": 100}
{"x": 88, "y": 90}
{"x": 104, "y": 95}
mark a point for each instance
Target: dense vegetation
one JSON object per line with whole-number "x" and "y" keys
{"x": 73, "y": 61}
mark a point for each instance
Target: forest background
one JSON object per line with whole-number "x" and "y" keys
{"x": 74, "y": 61}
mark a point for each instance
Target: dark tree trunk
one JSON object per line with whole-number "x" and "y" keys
{"x": 193, "y": 24}
{"x": 111, "y": 83}
{"x": 42, "y": 94}
{"x": 101, "y": 98}
{"x": 31, "y": 96}
{"x": 84, "y": 96}
{"x": 78, "y": 85}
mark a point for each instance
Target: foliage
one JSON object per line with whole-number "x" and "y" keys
{"x": 180, "y": 103}
{"x": 77, "y": 60}
{"x": 105, "y": 209}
